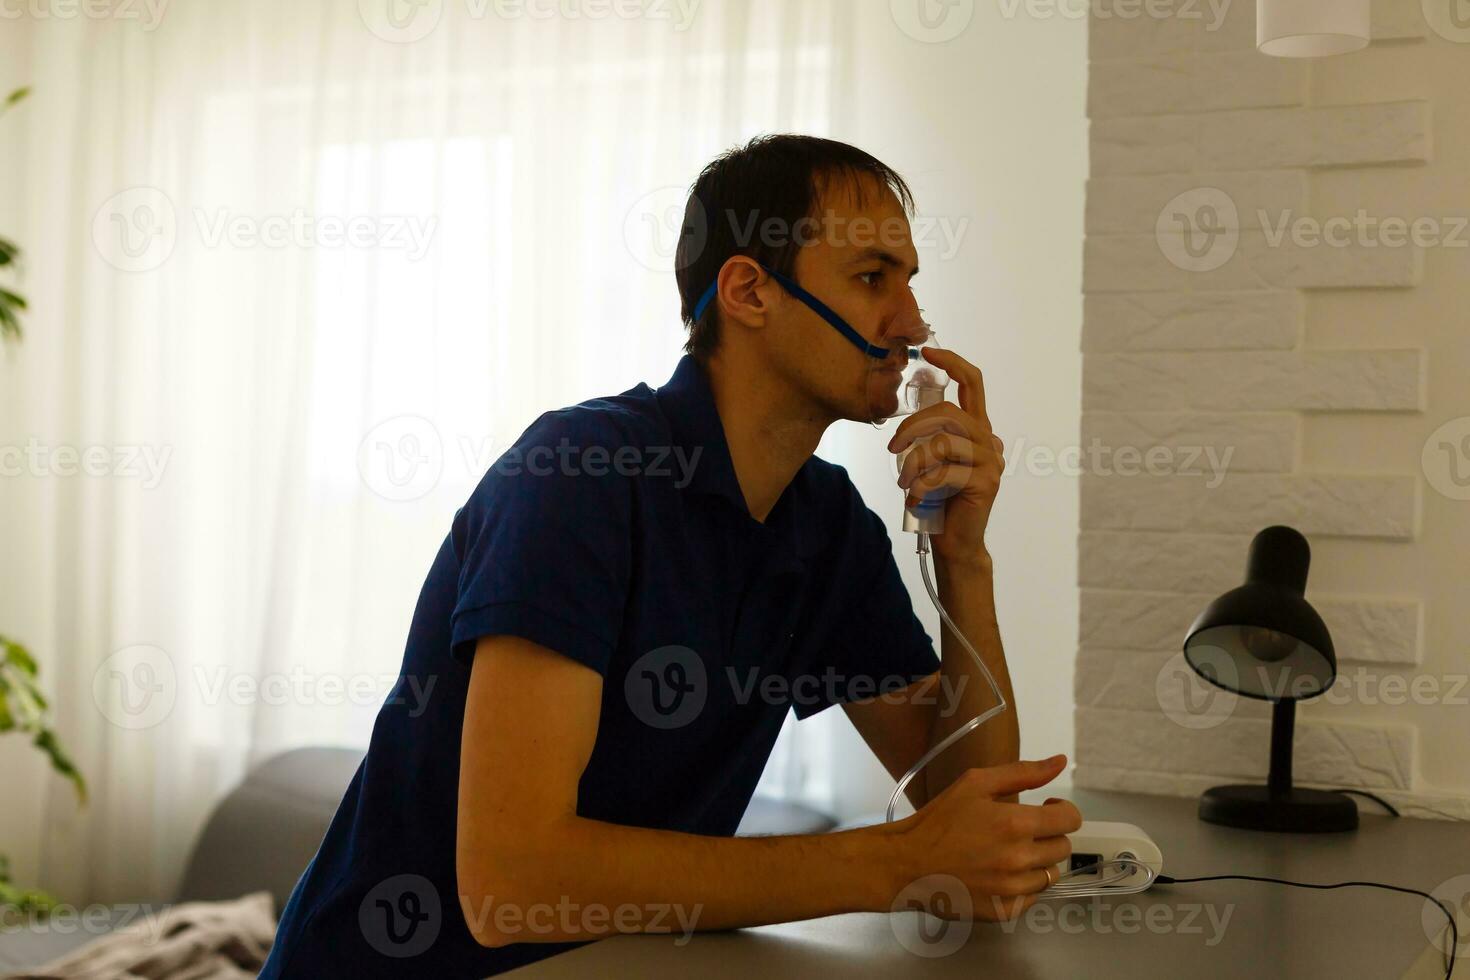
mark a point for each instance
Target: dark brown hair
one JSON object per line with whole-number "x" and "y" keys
{"x": 778, "y": 177}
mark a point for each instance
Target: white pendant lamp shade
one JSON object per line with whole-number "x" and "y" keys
{"x": 1310, "y": 28}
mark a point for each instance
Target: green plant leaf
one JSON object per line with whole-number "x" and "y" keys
{"x": 26, "y": 700}
{"x": 20, "y": 656}
{"x": 9, "y": 252}
{"x": 23, "y": 707}
{"x": 13, "y": 299}
{"x": 47, "y": 742}
{"x": 37, "y": 698}
{"x": 17, "y": 903}
{"x": 9, "y": 325}
{"x": 17, "y": 95}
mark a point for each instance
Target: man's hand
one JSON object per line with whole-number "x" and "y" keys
{"x": 963, "y": 461}
{"x": 999, "y": 850}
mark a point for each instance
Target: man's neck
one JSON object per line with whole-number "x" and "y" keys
{"x": 770, "y": 429}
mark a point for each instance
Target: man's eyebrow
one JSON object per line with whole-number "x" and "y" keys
{"x": 887, "y": 258}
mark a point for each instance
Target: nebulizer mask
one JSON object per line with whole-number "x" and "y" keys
{"x": 903, "y": 381}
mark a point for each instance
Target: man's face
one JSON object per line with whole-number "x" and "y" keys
{"x": 859, "y": 261}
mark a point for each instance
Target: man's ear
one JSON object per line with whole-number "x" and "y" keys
{"x": 744, "y": 294}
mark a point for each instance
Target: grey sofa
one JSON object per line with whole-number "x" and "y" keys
{"x": 261, "y": 836}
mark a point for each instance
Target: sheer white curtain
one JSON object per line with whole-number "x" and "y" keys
{"x": 299, "y": 272}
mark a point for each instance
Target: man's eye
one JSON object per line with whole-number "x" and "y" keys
{"x": 864, "y": 276}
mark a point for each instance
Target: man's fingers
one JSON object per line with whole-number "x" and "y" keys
{"x": 1013, "y": 777}
{"x": 1027, "y": 882}
{"x": 935, "y": 418}
{"x": 940, "y": 483}
{"x": 971, "y": 384}
{"x": 1043, "y": 852}
{"x": 1058, "y": 818}
{"x": 943, "y": 448}
{"x": 1047, "y": 851}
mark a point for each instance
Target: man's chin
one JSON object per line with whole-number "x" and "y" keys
{"x": 882, "y": 404}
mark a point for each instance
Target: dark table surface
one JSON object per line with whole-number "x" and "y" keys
{"x": 1199, "y": 930}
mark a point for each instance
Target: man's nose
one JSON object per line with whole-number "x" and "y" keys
{"x": 907, "y": 327}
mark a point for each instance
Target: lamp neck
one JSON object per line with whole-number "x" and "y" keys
{"x": 1283, "y": 729}
{"x": 1279, "y": 556}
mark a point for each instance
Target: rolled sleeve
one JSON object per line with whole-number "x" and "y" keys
{"x": 544, "y": 546}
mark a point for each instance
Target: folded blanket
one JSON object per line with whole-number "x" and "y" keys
{"x": 190, "y": 941}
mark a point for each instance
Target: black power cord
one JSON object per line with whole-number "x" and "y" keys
{"x": 1393, "y": 811}
{"x": 1454, "y": 928}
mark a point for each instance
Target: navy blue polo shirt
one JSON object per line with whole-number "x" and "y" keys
{"x": 613, "y": 532}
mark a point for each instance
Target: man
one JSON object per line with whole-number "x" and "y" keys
{"x": 637, "y": 593}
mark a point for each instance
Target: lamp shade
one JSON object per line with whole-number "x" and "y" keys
{"x": 1263, "y": 639}
{"x": 1310, "y": 28}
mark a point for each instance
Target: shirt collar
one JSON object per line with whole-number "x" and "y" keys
{"x": 688, "y": 403}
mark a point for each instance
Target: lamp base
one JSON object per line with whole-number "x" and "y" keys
{"x": 1298, "y": 811}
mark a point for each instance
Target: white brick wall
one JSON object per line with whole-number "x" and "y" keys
{"x": 1128, "y": 263}
{"x": 1243, "y": 503}
{"x": 1130, "y": 204}
{"x": 1326, "y": 753}
{"x": 1118, "y": 31}
{"x": 1414, "y": 803}
{"x": 1302, "y": 380}
{"x": 1189, "y": 352}
{"x": 1255, "y": 139}
{"x": 1193, "y": 83}
{"x": 1257, "y": 441}
{"x": 1364, "y": 629}
{"x": 1191, "y": 321}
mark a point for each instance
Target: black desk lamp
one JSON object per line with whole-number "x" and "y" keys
{"x": 1264, "y": 640}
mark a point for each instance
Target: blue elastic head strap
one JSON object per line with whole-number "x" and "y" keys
{"x": 818, "y": 307}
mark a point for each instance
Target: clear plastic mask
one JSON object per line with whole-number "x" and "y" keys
{"x": 904, "y": 382}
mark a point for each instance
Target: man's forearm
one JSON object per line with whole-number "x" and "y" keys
{"x": 968, "y": 594}
{"x": 587, "y": 879}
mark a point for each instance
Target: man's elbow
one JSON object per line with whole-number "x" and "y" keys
{"x": 494, "y": 907}
{"x": 501, "y": 887}
{"x": 481, "y": 889}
